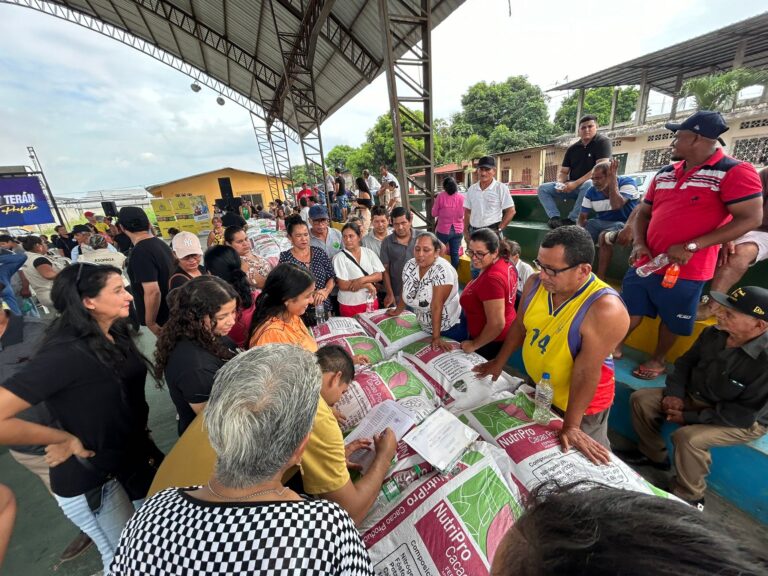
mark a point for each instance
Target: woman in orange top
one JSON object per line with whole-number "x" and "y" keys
{"x": 287, "y": 292}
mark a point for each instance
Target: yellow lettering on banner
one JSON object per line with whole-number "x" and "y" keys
{"x": 6, "y": 209}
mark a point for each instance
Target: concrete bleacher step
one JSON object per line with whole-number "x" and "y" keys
{"x": 738, "y": 473}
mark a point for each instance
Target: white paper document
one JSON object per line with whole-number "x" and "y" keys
{"x": 441, "y": 439}
{"x": 388, "y": 414}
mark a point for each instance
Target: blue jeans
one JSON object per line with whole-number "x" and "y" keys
{"x": 453, "y": 240}
{"x": 595, "y": 227}
{"x": 456, "y": 332}
{"x": 9, "y": 265}
{"x": 548, "y": 198}
{"x": 105, "y": 525}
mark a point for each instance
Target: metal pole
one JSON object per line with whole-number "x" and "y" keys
{"x": 39, "y": 168}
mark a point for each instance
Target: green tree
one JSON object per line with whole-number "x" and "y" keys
{"x": 299, "y": 174}
{"x": 337, "y": 157}
{"x": 719, "y": 91}
{"x": 382, "y": 141}
{"x": 597, "y": 101}
{"x": 516, "y": 103}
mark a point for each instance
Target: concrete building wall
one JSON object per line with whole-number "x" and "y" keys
{"x": 529, "y": 167}
{"x": 243, "y": 184}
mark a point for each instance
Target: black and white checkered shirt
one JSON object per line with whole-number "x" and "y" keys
{"x": 174, "y": 533}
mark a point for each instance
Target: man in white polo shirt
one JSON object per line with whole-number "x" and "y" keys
{"x": 488, "y": 203}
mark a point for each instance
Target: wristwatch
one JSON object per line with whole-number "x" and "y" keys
{"x": 691, "y": 247}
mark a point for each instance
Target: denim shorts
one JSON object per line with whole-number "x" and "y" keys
{"x": 676, "y": 306}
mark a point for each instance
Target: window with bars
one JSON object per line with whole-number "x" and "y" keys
{"x": 550, "y": 172}
{"x": 761, "y": 123}
{"x": 754, "y": 150}
{"x": 505, "y": 175}
{"x": 656, "y": 158}
{"x": 526, "y": 177}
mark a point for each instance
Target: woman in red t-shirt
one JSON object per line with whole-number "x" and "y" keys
{"x": 488, "y": 301}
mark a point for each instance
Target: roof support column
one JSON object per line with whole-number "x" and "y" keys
{"x": 579, "y": 109}
{"x": 409, "y": 81}
{"x": 676, "y": 97}
{"x": 614, "y": 102}
{"x": 642, "y": 101}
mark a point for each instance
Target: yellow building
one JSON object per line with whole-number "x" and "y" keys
{"x": 252, "y": 186}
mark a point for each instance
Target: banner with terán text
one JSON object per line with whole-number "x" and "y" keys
{"x": 22, "y": 202}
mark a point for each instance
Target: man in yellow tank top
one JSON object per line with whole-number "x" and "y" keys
{"x": 567, "y": 325}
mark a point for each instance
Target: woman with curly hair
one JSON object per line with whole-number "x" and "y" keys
{"x": 193, "y": 343}
{"x": 287, "y": 293}
{"x": 223, "y": 261}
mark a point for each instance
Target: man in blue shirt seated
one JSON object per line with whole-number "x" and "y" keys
{"x": 612, "y": 199}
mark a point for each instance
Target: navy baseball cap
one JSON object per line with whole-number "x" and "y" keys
{"x": 486, "y": 162}
{"x": 751, "y": 300}
{"x": 704, "y": 122}
{"x": 318, "y": 212}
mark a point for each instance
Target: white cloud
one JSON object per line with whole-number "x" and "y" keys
{"x": 102, "y": 115}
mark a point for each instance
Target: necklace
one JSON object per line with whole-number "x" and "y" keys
{"x": 247, "y": 496}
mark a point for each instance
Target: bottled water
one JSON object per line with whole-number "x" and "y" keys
{"x": 544, "y": 393}
{"x": 653, "y": 265}
{"x": 369, "y": 303}
{"x": 393, "y": 487}
{"x": 320, "y": 317}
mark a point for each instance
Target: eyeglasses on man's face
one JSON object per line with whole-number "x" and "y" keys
{"x": 549, "y": 271}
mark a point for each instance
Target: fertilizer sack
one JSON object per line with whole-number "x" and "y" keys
{"x": 450, "y": 374}
{"x": 392, "y": 332}
{"x": 507, "y": 422}
{"x": 446, "y": 525}
{"x": 388, "y": 380}
{"x": 337, "y": 327}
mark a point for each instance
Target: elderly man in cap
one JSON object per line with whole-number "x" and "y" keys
{"x": 574, "y": 177}
{"x": 703, "y": 200}
{"x": 718, "y": 394}
{"x": 321, "y": 233}
{"x": 488, "y": 203}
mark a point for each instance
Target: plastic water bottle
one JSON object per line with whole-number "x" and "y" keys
{"x": 320, "y": 314}
{"x": 652, "y": 266}
{"x": 670, "y": 276}
{"x": 393, "y": 487}
{"x": 369, "y": 303}
{"x": 544, "y": 393}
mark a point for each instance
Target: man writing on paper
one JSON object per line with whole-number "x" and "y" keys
{"x": 567, "y": 321}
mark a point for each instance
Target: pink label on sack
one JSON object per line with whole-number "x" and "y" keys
{"x": 449, "y": 545}
{"x": 373, "y": 387}
{"x": 524, "y": 442}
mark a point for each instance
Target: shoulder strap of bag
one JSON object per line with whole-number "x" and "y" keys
{"x": 348, "y": 255}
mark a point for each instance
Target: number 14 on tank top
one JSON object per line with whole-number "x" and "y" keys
{"x": 540, "y": 342}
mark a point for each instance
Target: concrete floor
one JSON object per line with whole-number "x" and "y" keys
{"x": 42, "y": 531}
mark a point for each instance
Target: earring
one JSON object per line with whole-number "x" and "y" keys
{"x": 301, "y": 470}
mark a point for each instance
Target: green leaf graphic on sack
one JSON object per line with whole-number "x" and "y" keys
{"x": 486, "y": 508}
{"x": 398, "y": 328}
{"x": 402, "y": 382}
{"x": 502, "y": 415}
{"x": 367, "y": 346}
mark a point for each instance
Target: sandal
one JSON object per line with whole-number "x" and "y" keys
{"x": 643, "y": 372}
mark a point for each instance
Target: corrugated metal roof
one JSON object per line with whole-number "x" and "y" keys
{"x": 235, "y": 41}
{"x": 704, "y": 54}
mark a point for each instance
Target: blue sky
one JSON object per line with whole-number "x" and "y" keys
{"x": 102, "y": 115}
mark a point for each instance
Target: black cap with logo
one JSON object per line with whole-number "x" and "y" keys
{"x": 751, "y": 300}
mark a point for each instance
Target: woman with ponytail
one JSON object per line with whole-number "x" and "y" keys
{"x": 91, "y": 376}
{"x": 193, "y": 344}
{"x": 224, "y": 262}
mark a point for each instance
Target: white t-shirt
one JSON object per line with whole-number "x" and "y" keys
{"x": 305, "y": 214}
{"x": 373, "y": 185}
{"x": 417, "y": 292}
{"x": 346, "y": 269}
{"x": 487, "y": 206}
{"x": 524, "y": 271}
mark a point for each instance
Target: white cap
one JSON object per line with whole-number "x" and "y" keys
{"x": 185, "y": 244}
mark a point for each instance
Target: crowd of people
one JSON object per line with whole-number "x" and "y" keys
{"x": 260, "y": 480}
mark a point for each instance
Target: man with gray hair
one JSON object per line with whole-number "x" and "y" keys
{"x": 259, "y": 416}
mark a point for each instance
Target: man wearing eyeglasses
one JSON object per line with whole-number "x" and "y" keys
{"x": 567, "y": 325}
